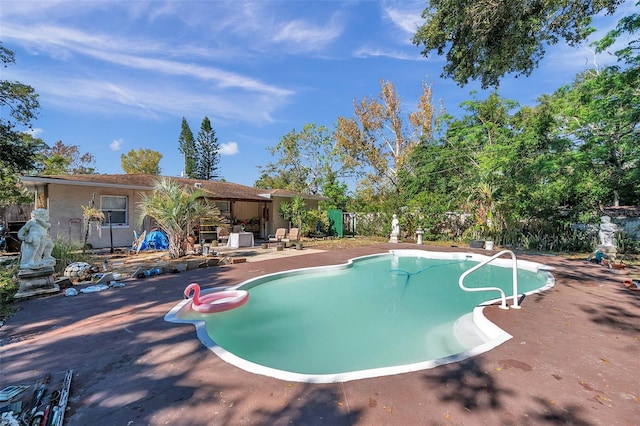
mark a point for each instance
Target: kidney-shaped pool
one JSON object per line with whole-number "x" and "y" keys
{"x": 375, "y": 315}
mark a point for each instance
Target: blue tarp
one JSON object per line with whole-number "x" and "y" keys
{"x": 155, "y": 240}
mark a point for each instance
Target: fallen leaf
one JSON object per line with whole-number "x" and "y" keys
{"x": 606, "y": 361}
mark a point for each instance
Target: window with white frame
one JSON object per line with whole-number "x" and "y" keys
{"x": 118, "y": 207}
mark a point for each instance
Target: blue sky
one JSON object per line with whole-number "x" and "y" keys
{"x": 119, "y": 75}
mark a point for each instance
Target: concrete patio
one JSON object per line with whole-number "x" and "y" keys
{"x": 573, "y": 359}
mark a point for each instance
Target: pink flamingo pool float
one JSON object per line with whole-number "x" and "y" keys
{"x": 218, "y": 301}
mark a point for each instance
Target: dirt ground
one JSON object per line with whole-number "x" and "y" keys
{"x": 572, "y": 359}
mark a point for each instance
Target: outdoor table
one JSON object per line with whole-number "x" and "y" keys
{"x": 240, "y": 239}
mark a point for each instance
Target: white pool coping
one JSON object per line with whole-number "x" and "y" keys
{"x": 474, "y": 326}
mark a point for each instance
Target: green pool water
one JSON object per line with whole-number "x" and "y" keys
{"x": 379, "y": 311}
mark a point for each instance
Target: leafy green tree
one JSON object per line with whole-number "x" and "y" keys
{"x": 187, "y": 147}
{"x": 484, "y": 40}
{"x": 467, "y": 170}
{"x": 208, "y": 152}
{"x": 146, "y": 161}
{"x": 336, "y": 193}
{"x": 306, "y": 161}
{"x": 63, "y": 159}
{"x": 18, "y": 151}
{"x": 11, "y": 189}
{"x": 295, "y": 212}
{"x": 602, "y": 117}
{"x": 176, "y": 209}
{"x": 630, "y": 53}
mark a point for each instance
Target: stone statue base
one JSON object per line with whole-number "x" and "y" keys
{"x": 36, "y": 282}
{"x": 604, "y": 254}
{"x": 393, "y": 238}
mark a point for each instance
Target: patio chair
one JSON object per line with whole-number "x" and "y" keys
{"x": 223, "y": 235}
{"x": 294, "y": 236}
{"x": 138, "y": 239}
{"x": 277, "y": 238}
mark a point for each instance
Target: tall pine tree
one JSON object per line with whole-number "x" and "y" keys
{"x": 187, "y": 147}
{"x": 208, "y": 152}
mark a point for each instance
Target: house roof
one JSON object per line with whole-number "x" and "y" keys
{"x": 215, "y": 189}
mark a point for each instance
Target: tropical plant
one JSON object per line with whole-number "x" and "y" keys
{"x": 177, "y": 209}
{"x": 295, "y": 212}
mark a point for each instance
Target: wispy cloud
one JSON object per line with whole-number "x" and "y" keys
{"x": 109, "y": 50}
{"x": 405, "y": 15}
{"x": 116, "y": 145}
{"x": 401, "y": 54}
{"x": 150, "y": 98}
{"x": 229, "y": 148}
{"x": 34, "y": 131}
{"x": 302, "y": 36}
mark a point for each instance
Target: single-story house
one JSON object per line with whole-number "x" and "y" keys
{"x": 117, "y": 197}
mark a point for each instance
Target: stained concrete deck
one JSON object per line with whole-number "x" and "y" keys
{"x": 573, "y": 359}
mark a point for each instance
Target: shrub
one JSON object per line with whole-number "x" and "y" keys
{"x": 8, "y": 287}
{"x": 67, "y": 252}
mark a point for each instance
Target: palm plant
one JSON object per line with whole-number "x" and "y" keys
{"x": 295, "y": 211}
{"x": 176, "y": 209}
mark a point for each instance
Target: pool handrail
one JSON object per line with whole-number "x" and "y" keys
{"x": 503, "y": 296}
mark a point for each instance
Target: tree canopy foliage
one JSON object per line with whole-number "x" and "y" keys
{"x": 146, "y": 161}
{"x": 379, "y": 140}
{"x": 18, "y": 150}
{"x": 307, "y": 160}
{"x": 556, "y": 163}
{"x": 61, "y": 159}
{"x": 202, "y": 154}
{"x": 486, "y": 39}
{"x": 187, "y": 147}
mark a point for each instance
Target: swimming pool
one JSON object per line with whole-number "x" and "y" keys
{"x": 376, "y": 315}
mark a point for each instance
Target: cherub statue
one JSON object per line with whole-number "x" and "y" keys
{"x": 395, "y": 225}
{"x": 36, "y": 244}
{"x": 607, "y": 232}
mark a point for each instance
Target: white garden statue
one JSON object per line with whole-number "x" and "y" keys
{"x": 607, "y": 232}
{"x": 395, "y": 229}
{"x": 36, "y": 244}
{"x": 395, "y": 225}
{"x": 607, "y": 250}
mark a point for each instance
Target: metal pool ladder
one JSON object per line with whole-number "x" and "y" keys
{"x": 502, "y": 294}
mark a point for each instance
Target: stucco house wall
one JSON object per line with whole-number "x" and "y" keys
{"x": 65, "y": 195}
{"x": 66, "y": 215}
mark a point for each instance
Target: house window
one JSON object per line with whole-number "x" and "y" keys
{"x": 223, "y": 206}
{"x": 118, "y": 206}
